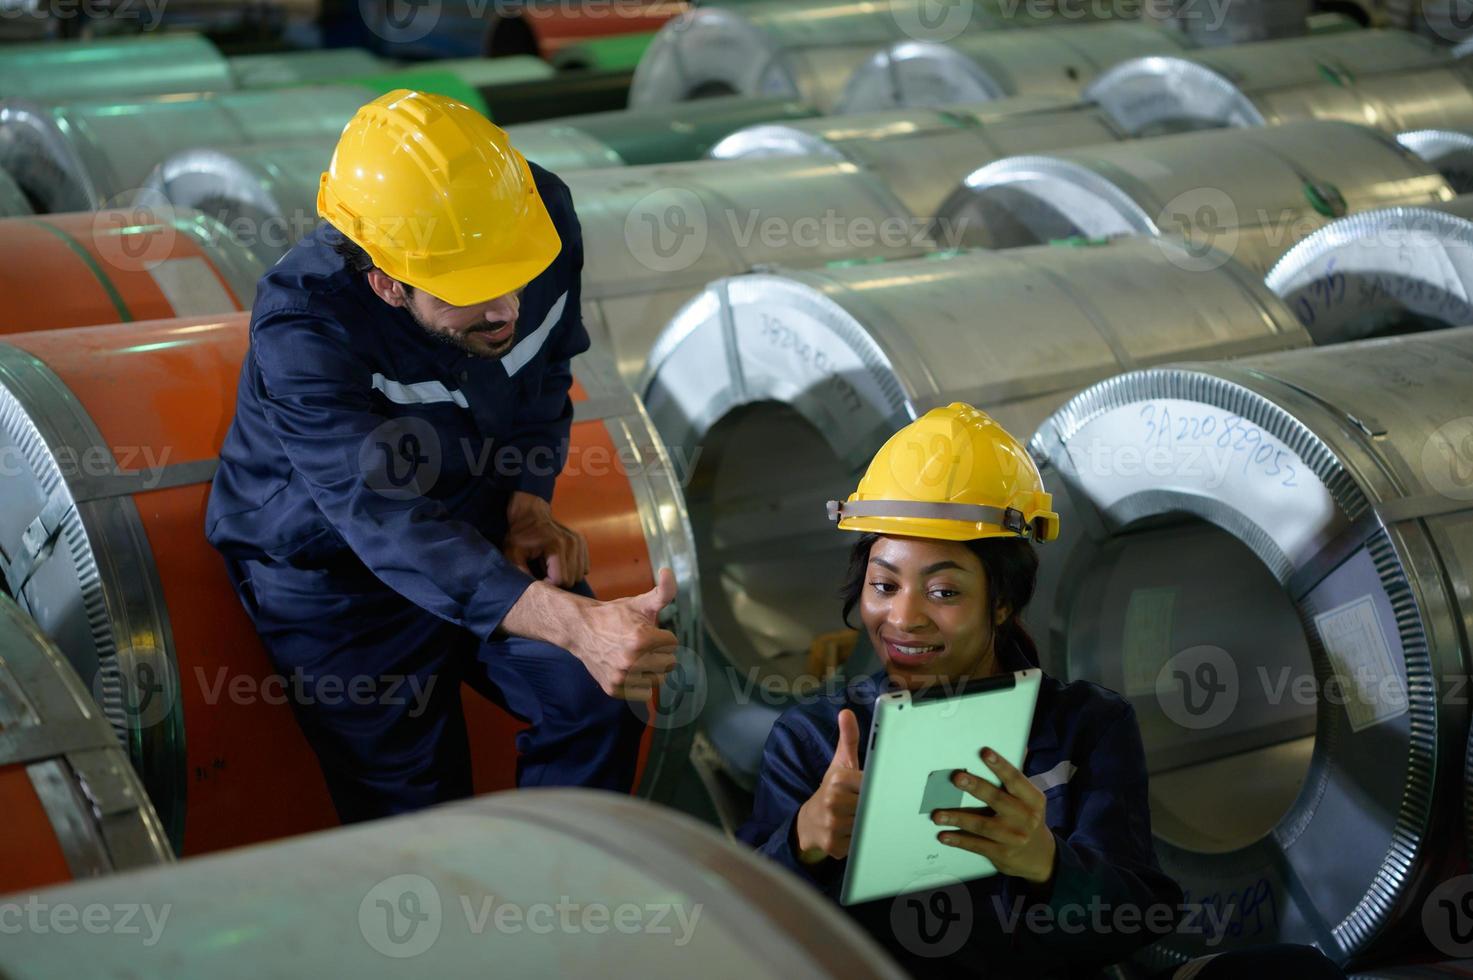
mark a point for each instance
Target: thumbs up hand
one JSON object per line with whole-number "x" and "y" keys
{"x": 825, "y": 823}
{"x": 621, "y": 643}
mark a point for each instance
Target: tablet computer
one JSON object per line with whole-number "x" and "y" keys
{"x": 915, "y": 744}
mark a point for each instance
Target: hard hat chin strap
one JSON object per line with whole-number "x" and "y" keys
{"x": 1008, "y": 518}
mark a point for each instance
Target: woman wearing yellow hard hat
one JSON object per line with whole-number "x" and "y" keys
{"x": 940, "y": 576}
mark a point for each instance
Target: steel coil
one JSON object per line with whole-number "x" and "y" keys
{"x": 789, "y": 383}
{"x": 289, "y": 68}
{"x": 265, "y": 195}
{"x": 924, "y": 155}
{"x": 13, "y": 202}
{"x": 115, "y": 433}
{"x": 627, "y": 888}
{"x": 657, "y": 134}
{"x": 805, "y": 50}
{"x": 1329, "y": 77}
{"x": 619, "y": 52}
{"x": 1249, "y": 193}
{"x": 1270, "y": 558}
{"x": 89, "y": 155}
{"x": 73, "y": 270}
{"x": 1389, "y": 271}
{"x": 543, "y": 29}
{"x": 123, "y": 66}
{"x": 654, "y": 236}
{"x": 1450, "y": 151}
{"x": 73, "y": 806}
{"x": 1238, "y": 23}
{"x": 1053, "y": 61}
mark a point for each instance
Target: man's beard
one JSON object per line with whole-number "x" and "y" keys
{"x": 458, "y": 341}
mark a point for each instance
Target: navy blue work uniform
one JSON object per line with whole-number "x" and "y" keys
{"x": 361, "y": 503}
{"x": 1085, "y": 752}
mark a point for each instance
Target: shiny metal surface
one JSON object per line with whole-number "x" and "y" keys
{"x": 312, "y": 903}
{"x": 788, "y": 383}
{"x": 654, "y": 236}
{"x": 805, "y": 50}
{"x": 1234, "y": 532}
{"x": 1050, "y": 61}
{"x": 50, "y": 724}
{"x": 1249, "y": 193}
{"x": 131, "y": 66}
{"x": 302, "y": 67}
{"x": 656, "y": 134}
{"x": 1282, "y": 81}
{"x": 925, "y": 154}
{"x": 1236, "y": 23}
{"x": 265, "y": 195}
{"x": 86, "y": 155}
{"x": 1450, "y": 151}
{"x": 1389, "y": 271}
{"x": 13, "y": 201}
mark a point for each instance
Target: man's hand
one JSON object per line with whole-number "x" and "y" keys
{"x": 1009, "y": 831}
{"x": 825, "y": 824}
{"x": 532, "y": 534}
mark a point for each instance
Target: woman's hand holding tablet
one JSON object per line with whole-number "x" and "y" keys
{"x": 1009, "y": 830}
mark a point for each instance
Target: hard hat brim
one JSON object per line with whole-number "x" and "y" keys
{"x": 482, "y": 283}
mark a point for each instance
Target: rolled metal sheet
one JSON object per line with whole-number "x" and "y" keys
{"x": 654, "y": 236}
{"x": 87, "y": 155}
{"x": 12, "y": 199}
{"x": 803, "y": 50}
{"x": 126, "y": 66}
{"x": 73, "y": 270}
{"x": 626, "y": 887}
{"x": 1249, "y": 193}
{"x": 1277, "y": 81}
{"x": 789, "y": 382}
{"x": 564, "y": 94}
{"x": 924, "y": 155}
{"x": 1388, "y": 271}
{"x": 73, "y": 806}
{"x": 288, "y": 68}
{"x": 264, "y": 194}
{"x": 116, "y": 433}
{"x": 656, "y": 134}
{"x": 1049, "y": 61}
{"x": 1270, "y": 558}
{"x": 543, "y": 29}
{"x": 1241, "y": 22}
{"x": 619, "y": 52}
{"x": 1450, "y": 151}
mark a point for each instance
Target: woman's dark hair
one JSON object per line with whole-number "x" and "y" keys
{"x": 1010, "y": 566}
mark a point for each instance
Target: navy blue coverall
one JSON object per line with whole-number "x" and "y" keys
{"x": 1085, "y": 752}
{"x": 360, "y": 503}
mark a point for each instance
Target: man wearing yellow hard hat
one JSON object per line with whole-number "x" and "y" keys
{"x": 383, "y": 496}
{"x": 941, "y": 574}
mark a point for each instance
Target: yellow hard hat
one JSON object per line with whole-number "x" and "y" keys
{"x": 952, "y": 474}
{"x": 438, "y": 198}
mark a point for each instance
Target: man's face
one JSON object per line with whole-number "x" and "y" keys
{"x": 484, "y": 330}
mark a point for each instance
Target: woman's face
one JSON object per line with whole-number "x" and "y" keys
{"x": 925, "y": 606}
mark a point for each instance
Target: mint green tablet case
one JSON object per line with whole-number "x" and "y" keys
{"x": 914, "y": 746}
